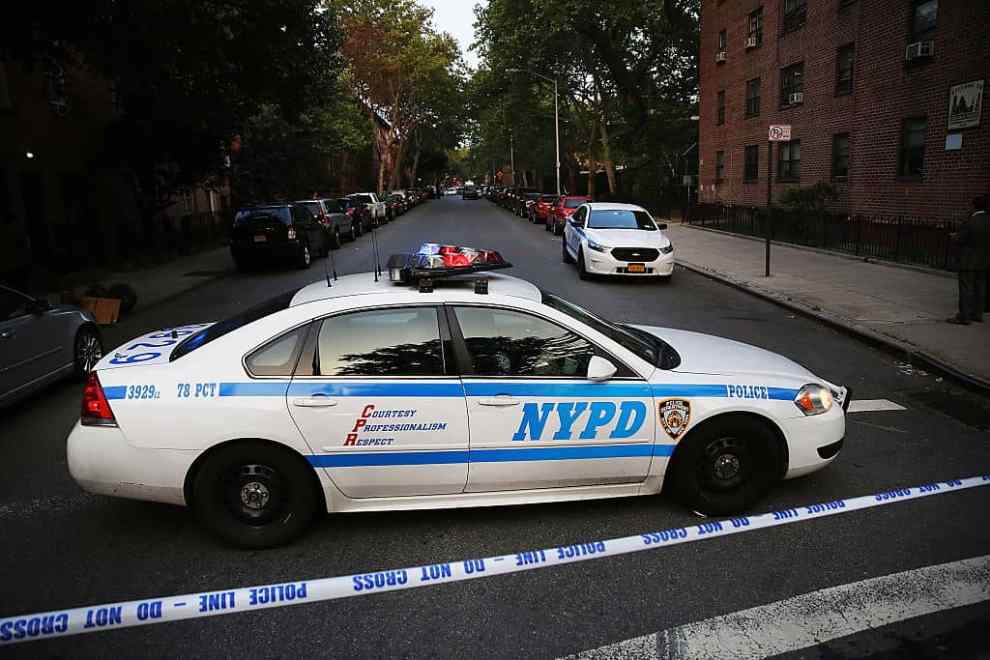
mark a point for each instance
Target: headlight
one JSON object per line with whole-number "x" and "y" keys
{"x": 668, "y": 249}
{"x": 813, "y": 399}
{"x": 598, "y": 247}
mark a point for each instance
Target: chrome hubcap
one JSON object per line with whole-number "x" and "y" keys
{"x": 89, "y": 352}
{"x": 255, "y": 495}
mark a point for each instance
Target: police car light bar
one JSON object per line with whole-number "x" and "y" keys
{"x": 437, "y": 261}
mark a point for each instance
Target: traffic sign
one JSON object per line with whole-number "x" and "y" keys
{"x": 780, "y": 133}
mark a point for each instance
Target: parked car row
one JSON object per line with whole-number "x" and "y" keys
{"x": 547, "y": 209}
{"x": 298, "y": 232}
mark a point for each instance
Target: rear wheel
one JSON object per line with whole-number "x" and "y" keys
{"x": 254, "y": 495}
{"x": 336, "y": 241}
{"x": 87, "y": 351}
{"x": 724, "y": 467}
{"x": 304, "y": 259}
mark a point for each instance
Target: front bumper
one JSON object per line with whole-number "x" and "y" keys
{"x": 813, "y": 442}
{"x": 603, "y": 263}
{"x": 102, "y": 461}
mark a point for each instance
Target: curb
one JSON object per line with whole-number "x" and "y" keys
{"x": 876, "y": 339}
{"x": 948, "y": 274}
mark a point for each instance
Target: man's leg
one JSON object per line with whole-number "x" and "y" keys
{"x": 965, "y": 297}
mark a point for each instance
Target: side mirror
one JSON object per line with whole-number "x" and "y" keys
{"x": 661, "y": 226}
{"x": 600, "y": 369}
{"x": 573, "y": 222}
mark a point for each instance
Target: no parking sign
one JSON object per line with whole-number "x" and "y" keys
{"x": 780, "y": 133}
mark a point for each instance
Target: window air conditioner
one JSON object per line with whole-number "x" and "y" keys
{"x": 795, "y": 98}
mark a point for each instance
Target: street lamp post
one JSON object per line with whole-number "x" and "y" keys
{"x": 556, "y": 118}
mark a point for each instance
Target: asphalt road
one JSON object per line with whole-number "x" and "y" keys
{"x": 64, "y": 548}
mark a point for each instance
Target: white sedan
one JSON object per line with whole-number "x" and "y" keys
{"x": 369, "y": 396}
{"x": 617, "y": 239}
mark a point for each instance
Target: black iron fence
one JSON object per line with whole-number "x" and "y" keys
{"x": 907, "y": 239}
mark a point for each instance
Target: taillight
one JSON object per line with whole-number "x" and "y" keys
{"x": 95, "y": 407}
{"x": 291, "y": 235}
{"x": 350, "y": 211}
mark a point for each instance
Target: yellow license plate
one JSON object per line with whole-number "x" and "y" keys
{"x": 636, "y": 268}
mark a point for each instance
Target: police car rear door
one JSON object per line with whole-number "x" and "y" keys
{"x": 374, "y": 400}
{"x": 536, "y": 420}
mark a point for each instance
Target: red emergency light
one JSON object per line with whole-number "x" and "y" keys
{"x": 434, "y": 260}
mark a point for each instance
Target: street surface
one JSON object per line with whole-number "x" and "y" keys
{"x": 63, "y": 548}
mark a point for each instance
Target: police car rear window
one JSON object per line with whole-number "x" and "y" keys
{"x": 263, "y": 215}
{"x": 217, "y": 330}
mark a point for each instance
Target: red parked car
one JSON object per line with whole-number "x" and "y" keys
{"x": 563, "y": 209}
{"x": 540, "y": 211}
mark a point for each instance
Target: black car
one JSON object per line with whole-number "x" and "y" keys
{"x": 277, "y": 232}
{"x": 358, "y": 213}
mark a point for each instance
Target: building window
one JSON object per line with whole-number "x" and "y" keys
{"x": 844, "y": 59}
{"x": 753, "y": 97}
{"x": 923, "y": 16}
{"x": 912, "y": 156}
{"x": 840, "y": 156}
{"x": 792, "y": 85}
{"x": 719, "y": 166}
{"x": 845, "y": 3}
{"x": 789, "y": 161}
{"x": 723, "y": 41}
{"x": 751, "y": 164}
{"x": 795, "y": 13}
{"x": 58, "y": 100}
{"x": 720, "y": 104}
{"x": 755, "y": 29}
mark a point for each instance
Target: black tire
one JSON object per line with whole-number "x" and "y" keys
{"x": 357, "y": 228}
{"x": 254, "y": 494}
{"x": 87, "y": 350}
{"x": 557, "y": 229}
{"x": 666, "y": 279}
{"x": 726, "y": 465}
{"x": 582, "y": 271}
{"x": 546, "y": 225}
{"x": 335, "y": 239}
{"x": 304, "y": 258}
{"x": 565, "y": 255}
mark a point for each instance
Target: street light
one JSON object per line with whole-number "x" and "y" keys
{"x": 556, "y": 118}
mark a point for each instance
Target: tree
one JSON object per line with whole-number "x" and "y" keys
{"x": 190, "y": 74}
{"x": 398, "y": 66}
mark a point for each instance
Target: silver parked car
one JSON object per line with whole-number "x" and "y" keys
{"x": 41, "y": 343}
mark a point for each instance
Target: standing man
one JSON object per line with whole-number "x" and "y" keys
{"x": 973, "y": 241}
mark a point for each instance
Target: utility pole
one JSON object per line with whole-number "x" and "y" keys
{"x": 556, "y": 119}
{"x": 777, "y": 133}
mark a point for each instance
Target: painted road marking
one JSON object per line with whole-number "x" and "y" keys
{"x": 873, "y": 405}
{"x": 815, "y": 618}
{"x": 64, "y": 622}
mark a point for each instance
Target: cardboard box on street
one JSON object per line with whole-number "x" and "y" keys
{"x": 105, "y": 310}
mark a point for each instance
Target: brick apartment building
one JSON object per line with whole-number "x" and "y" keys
{"x": 866, "y": 86}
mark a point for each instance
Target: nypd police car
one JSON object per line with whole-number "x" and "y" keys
{"x": 617, "y": 239}
{"x": 435, "y": 388}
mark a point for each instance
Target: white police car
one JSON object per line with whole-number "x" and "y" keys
{"x": 370, "y": 395}
{"x": 617, "y": 239}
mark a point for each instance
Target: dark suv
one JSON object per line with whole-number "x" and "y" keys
{"x": 277, "y": 232}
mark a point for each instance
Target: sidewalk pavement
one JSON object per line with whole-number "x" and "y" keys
{"x": 902, "y": 308}
{"x": 158, "y": 283}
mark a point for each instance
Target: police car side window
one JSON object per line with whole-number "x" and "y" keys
{"x": 507, "y": 343}
{"x": 278, "y": 357}
{"x": 381, "y": 342}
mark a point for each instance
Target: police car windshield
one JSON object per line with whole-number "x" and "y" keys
{"x": 217, "y": 330}
{"x": 621, "y": 219}
{"x": 646, "y": 346}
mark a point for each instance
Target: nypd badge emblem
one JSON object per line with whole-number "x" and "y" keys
{"x": 675, "y": 415}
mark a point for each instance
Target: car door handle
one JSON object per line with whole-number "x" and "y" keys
{"x": 314, "y": 402}
{"x": 501, "y": 400}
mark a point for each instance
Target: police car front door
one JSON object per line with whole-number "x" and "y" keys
{"x": 536, "y": 420}
{"x": 377, "y": 408}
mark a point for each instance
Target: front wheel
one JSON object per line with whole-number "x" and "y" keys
{"x": 254, "y": 495}
{"x": 582, "y": 271}
{"x": 87, "y": 351}
{"x": 724, "y": 467}
{"x": 565, "y": 255}
{"x": 336, "y": 239}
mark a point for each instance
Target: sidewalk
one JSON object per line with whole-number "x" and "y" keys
{"x": 902, "y": 308}
{"x": 164, "y": 281}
